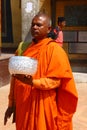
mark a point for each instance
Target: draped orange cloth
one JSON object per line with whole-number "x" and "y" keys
{"x": 46, "y": 109}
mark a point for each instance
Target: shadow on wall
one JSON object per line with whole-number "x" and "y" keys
{"x": 7, "y": 34}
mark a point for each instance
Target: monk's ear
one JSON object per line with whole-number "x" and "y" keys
{"x": 49, "y": 29}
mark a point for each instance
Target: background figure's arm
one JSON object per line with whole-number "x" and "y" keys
{"x": 11, "y": 93}
{"x": 11, "y": 104}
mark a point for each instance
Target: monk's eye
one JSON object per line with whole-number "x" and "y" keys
{"x": 37, "y": 24}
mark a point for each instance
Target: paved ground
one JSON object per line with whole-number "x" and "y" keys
{"x": 3, "y": 105}
{"x": 79, "y": 119}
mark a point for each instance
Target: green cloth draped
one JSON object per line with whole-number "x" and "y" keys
{"x": 22, "y": 47}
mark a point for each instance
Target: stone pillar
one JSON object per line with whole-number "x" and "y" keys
{"x": 29, "y": 9}
{"x": 0, "y": 29}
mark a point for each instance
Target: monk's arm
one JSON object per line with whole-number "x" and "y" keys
{"x": 46, "y": 83}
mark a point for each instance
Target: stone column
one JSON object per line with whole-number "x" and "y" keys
{"x": 29, "y": 9}
{"x": 0, "y": 29}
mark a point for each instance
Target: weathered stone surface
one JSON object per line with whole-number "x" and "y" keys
{"x": 4, "y": 73}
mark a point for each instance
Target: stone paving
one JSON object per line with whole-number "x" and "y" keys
{"x": 3, "y": 105}
{"x": 79, "y": 119}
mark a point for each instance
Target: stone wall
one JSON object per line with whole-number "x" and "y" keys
{"x": 4, "y": 73}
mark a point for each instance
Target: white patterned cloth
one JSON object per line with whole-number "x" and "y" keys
{"x": 22, "y": 65}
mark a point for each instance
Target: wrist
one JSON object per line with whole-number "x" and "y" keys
{"x": 36, "y": 82}
{"x": 32, "y": 83}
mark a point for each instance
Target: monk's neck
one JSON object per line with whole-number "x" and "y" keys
{"x": 37, "y": 41}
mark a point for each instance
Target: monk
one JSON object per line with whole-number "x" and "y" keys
{"x": 48, "y": 99}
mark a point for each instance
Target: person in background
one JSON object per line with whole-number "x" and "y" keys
{"x": 61, "y": 23}
{"x": 57, "y": 33}
{"x": 48, "y": 99}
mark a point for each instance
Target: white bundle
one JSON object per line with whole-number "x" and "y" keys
{"x": 22, "y": 65}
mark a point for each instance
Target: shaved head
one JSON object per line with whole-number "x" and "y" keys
{"x": 45, "y": 16}
{"x": 41, "y": 26}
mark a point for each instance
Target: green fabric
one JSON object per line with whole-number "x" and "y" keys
{"x": 22, "y": 47}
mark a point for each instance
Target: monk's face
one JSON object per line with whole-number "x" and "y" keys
{"x": 40, "y": 27}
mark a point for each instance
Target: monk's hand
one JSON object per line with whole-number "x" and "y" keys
{"x": 27, "y": 79}
{"x": 8, "y": 114}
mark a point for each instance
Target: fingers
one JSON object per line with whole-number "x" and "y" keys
{"x": 7, "y": 115}
{"x": 27, "y": 79}
{"x": 28, "y": 76}
{"x": 5, "y": 120}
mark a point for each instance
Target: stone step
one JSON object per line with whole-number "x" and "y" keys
{"x": 80, "y": 77}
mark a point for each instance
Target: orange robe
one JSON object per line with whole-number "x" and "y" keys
{"x": 45, "y": 108}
